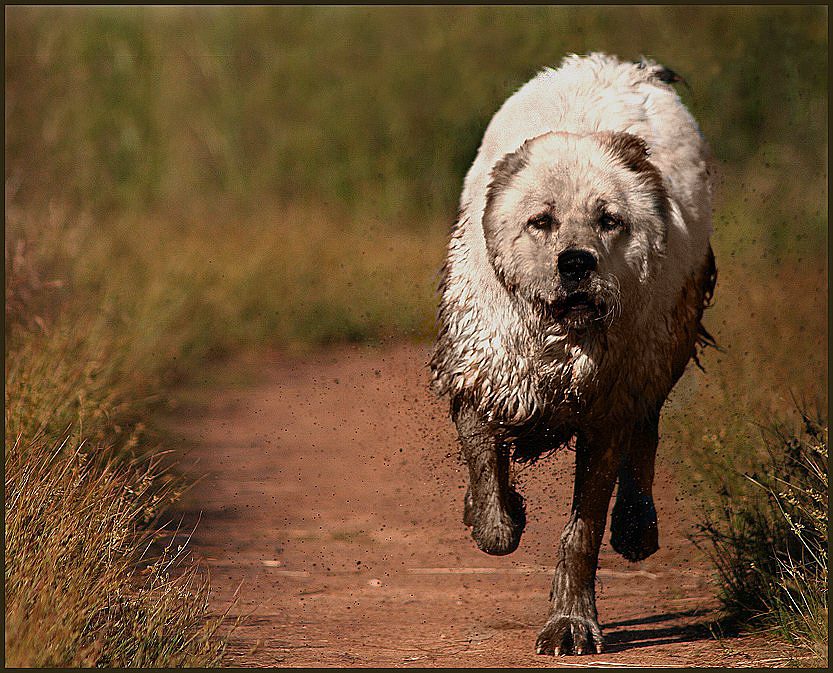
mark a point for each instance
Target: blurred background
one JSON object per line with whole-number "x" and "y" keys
{"x": 376, "y": 112}
{"x": 185, "y": 183}
{"x": 206, "y": 179}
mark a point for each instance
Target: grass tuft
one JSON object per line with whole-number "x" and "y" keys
{"x": 75, "y": 524}
{"x": 767, "y": 536}
{"x": 83, "y": 498}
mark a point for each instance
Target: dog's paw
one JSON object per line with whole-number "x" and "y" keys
{"x": 569, "y": 635}
{"x": 633, "y": 528}
{"x": 496, "y": 529}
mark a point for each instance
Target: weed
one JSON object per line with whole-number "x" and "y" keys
{"x": 767, "y": 536}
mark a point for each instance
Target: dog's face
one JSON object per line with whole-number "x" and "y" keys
{"x": 575, "y": 225}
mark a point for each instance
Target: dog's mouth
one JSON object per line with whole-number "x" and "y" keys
{"x": 574, "y": 309}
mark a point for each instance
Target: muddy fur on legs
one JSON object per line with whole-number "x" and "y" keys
{"x": 633, "y": 524}
{"x": 493, "y": 509}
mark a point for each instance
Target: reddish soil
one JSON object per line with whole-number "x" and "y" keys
{"x": 331, "y": 505}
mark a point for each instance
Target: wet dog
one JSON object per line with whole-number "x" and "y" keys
{"x": 572, "y": 297}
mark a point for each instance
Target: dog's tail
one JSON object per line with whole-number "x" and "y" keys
{"x": 661, "y": 72}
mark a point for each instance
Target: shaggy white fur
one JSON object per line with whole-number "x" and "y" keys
{"x": 496, "y": 349}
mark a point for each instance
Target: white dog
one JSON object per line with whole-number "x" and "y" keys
{"x": 575, "y": 283}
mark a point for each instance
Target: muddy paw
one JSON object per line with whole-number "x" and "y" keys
{"x": 569, "y": 635}
{"x": 633, "y": 528}
{"x": 496, "y": 529}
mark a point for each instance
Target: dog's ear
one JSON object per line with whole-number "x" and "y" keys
{"x": 507, "y": 168}
{"x": 493, "y": 230}
{"x": 630, "y": 149}
{"x": 633, "y": 152}
{"x": 501, "y": 176}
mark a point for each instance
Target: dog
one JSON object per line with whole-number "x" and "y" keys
{"x": 572, "y": 297}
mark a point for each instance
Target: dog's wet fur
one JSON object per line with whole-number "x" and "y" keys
{"x": 572, "y": 298}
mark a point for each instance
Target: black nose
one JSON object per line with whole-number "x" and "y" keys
{"x": 575, "y": 264}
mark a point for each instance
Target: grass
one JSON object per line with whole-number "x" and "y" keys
{"x": 187, "y": 182}
{"x": 74, "y": 596}
{"x": 767, "y": 536}
{"x": 742, "y": 469}
{"x": 377, "y": 111}
{"x": 184, "y": 288}
{"x": 82, "y": 505}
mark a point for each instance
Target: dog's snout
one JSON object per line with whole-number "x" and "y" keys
{"x": 575, "y": 264}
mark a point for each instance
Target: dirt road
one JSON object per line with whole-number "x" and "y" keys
{"x": 332, "y": 498}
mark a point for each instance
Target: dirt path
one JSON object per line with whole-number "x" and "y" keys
{"x": 333, "y": 497}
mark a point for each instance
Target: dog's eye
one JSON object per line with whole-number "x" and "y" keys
{"x": 542, "y": 222}
{"x": 608, "y": 222}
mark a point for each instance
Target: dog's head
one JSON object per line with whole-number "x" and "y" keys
{"x": 575, "y": 224}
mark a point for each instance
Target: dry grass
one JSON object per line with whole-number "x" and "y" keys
{"x": 81, "y": 501}
{"x": 184, "y": 286}
{"x": 771, "y": 321}
{"x": 769, "y": 542}
{"x": 78, "y": 593}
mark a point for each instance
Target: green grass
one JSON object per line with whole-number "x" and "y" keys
{"x": 379, "y": 111}
{"x": 187, "y": 182}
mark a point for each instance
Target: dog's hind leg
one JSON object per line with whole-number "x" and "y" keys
{"x": 633, "y": 524}
{"x": 493, "y": 509}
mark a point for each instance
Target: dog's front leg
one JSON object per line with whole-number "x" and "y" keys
{"x": 633, "y": 524}
{"x": 493, "y": 508}
{"x": 572, "y": 625}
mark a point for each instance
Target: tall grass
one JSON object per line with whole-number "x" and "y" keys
{"x": 75, "y": 531}
{"x": 378, "y": 111}
{"x": 82, "y": 502}
{"x": 181, "y": 288}
{"x": 183, "y": 182}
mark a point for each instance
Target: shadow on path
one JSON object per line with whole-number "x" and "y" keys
{"x": 630, "y": 638}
